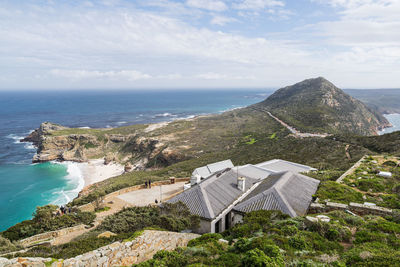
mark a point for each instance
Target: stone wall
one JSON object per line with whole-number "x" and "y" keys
{"x": 91, "y": 206}
{"x": 49, "y": 236}
{"x": 357, "y": 208}
{"x": 140, "y": 249}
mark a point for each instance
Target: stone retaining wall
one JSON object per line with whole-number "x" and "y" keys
{"x": 357, "y": 208}
{"x": 91, "y": 206}
{"x": 49, "y": 236}
{"x": 140, "y": 249}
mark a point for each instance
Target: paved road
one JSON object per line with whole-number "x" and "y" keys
{"x": 295, "y": 132}
{"x": 148, "y": 196}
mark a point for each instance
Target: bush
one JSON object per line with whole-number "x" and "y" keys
{"x": 257, "y": 258}
{"x": 332, "y": 235}
{"x": 204, "y": 239}
{"x": 6, "y": 245}
{"x": 172, "y": 217}
{"x": 297, "y": 242}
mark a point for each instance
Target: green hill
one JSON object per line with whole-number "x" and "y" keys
{"x": 316, "y": 105}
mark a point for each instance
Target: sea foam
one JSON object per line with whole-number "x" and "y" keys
{"x": 75, "y": 183}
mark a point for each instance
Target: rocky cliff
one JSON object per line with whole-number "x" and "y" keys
{"x": 134, "y": 148}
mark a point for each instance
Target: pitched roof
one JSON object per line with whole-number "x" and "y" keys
{"x": 209, "y": 169}
{"x": 214, "y": 194}
{"x": 286, "y": 191}
{"x": 279, "y": 165}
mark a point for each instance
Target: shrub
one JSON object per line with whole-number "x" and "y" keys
{"x": 257, "y": 258}
{"x": 173, "y": 217}
{"x": 332, "y": 235}
{"x": 44, "y": 220}
{"x": 289, "y": 230}
{"x": 206, "y": 238}
{"x": 6, "y": 245}
{"x": 297, "y": 242}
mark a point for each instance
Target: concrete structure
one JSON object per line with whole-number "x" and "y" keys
{"x": 222, "y": 198}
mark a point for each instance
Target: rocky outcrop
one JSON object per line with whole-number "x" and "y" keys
{"x": 138, "y": 250}
{"x": 141, "y": 152}
{"x": 44, "y": 129}
{"x": 64, "y": 147}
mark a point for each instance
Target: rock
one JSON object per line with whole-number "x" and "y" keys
{"x": 109, "y": 158}
{"x": 4, "y": 261}
{"x": 106, "y": 234}
{"x": 323, "y": 218}
{"x": 128, "y": 167}
{"x": 117, "y": 138}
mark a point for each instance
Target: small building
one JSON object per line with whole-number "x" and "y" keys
{"x": 202, "y": 173}
{"x": 222, "y": 198}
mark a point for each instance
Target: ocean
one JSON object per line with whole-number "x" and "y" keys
{"x": 395, "y": 121}
{"x": 24, "y": 186}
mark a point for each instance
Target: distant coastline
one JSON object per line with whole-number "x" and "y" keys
{"x": 394, "y": 119}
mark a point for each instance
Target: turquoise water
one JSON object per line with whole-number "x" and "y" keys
{"x": 394, "y": 119}
{"x": 24, "y": 186}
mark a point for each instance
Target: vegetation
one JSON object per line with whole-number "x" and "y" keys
{"x": 270, "y": 238}
{"x": 7, "y": 246}
{"x": 45, "y": 220}
{"x": 126, "y": 224}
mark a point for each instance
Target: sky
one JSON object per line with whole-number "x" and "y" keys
{"x": 60, "y": 44}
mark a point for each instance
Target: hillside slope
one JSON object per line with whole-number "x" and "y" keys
{"x": 316, "y": 105}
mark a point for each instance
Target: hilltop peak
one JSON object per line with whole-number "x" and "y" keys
{"x": 317, "y": 105}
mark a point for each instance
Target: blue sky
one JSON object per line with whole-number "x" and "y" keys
{"x": 198, "y": 43}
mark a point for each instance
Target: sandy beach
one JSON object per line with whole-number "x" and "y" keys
{"x": 95, "y": 171}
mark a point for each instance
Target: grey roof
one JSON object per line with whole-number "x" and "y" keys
{"x": 213, "y": 195}
{"x": 278, "y": 165}
{"x": 286, "y": 191}
{"x": 206, "y": 171}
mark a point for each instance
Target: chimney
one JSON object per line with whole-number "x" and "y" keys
{"x": 241, "y": 183}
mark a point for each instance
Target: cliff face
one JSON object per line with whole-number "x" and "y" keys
{"x": 56, "y": 142}
{"x": 316, "y": 105}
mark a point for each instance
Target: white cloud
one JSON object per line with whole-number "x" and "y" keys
{"x": 125, "y": 46}
{"x": 258, "y": 4}
{"x": 222, "y": 76}
{"x": 221, "y": 20}
{"x": 212, "y": 5}
{"x": 130, "y": 75}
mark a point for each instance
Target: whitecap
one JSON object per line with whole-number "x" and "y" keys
{"x": 84, "y": 127}
{"x": 16, "y": 138}
{"x": 75, "y": 181}
{"x": 121, "y": 122}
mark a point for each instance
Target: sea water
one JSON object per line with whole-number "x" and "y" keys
{"x": 24, "y": 186}
{"x": 394, "y": 119}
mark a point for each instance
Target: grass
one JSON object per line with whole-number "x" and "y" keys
{"x": 102, "y": 209}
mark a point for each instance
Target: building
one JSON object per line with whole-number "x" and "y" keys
{"x": 222, "y": 198}
{"x": 201, "y": 173}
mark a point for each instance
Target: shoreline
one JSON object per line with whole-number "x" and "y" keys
{"x": 95, "y": 171}
{"x": 82, "y": 175}
{"x": 391, "y": 128}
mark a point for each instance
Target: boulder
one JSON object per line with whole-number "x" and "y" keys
{"x": 106, "y": 234}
